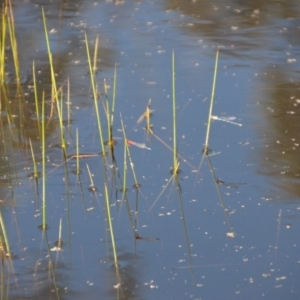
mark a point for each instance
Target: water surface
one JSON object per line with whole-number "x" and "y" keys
{"x": 257, "y": 82}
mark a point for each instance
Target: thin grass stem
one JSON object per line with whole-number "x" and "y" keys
{"x": 109, "y": 219}
{"x": 36, "y": 97}
{"x": 77, "y": 152}
{"x": 136, "y": 184}
{"x": 95, "y": 96}
{"x": 175, "y": 162}
{"x": 206, "y": 149}
{"x": 44, "y": 223}
{"x": 114, "y": 96}
{"x": 53, "y": 79}
{"x": 35, "y": 171}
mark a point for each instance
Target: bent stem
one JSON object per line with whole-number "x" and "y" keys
{"x": 35, "y": 171}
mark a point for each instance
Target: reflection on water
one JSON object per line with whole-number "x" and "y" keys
{"x": 280, "y": 154}
{"x": 243, "y": 27}
{"x": 264, "y": 33}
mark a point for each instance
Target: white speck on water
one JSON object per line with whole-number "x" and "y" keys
{"x": 281, "y": 278}
{"x": 151, "y": 284}
{"x": 230, "y": 234}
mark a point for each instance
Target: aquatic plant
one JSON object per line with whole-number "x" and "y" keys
{"x": 109, "y": 165}
{"x": 209, "y": 120}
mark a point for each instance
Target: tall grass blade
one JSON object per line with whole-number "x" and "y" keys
{"x": 95, "y": 96}
{"x": 136, "y": 184}
{"x": 14, "y": 48}
{"x": 44, "y": 225}
{"x": 53, "y": 79}
{"x": 36, "y": 98}
{"x": 111, "y": 230}
{"x": 175, "y": 162}
{"x": 206, "y": 149}
{"x": 35, "y": 174}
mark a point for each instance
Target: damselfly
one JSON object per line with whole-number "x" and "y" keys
{"x": 139, "y": 145}
{"x": 226, "y": 119}
{"x": 234, "y": 185}
{"x": 147, "y": 114}
{"x": 148, "y": 239}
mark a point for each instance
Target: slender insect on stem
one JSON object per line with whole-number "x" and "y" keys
{"x": 147, "y": 114}
{"x": 139, "y": 145}
{"x": 227, "y": 120}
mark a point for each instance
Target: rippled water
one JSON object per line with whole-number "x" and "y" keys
{"x": 194, "y": 258}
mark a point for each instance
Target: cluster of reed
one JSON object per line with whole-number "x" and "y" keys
{"x": 44, "y": 114}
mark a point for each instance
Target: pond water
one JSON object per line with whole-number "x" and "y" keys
{"x": 235, "y": 240}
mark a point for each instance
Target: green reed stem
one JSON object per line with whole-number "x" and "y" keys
{"x": 125, "y": 166}
{"x": 95, "y": 55}
{"x": 95, "y": 96}
{"x": 44, "y": 224}
{"x": 114, "y": 96}
{"x": 36, "y": 97}
{"x": 136, "y": 184}
{"x": 68, "y": 102}
{"x": 59, "y": 106}
{"x": 3, "y": 229}
{"x": 205, "y": 151}
{"x": 108, "y": 117}
{"x": 35, "y": 171}
{"x": 3, "y": 45}
{"x": 77, "y": 152}
{"x": 14, "y": 46}
{"x": 53, "y": 80}
{"x": 109, "y": 218}
{"x": 175, "y": 161}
